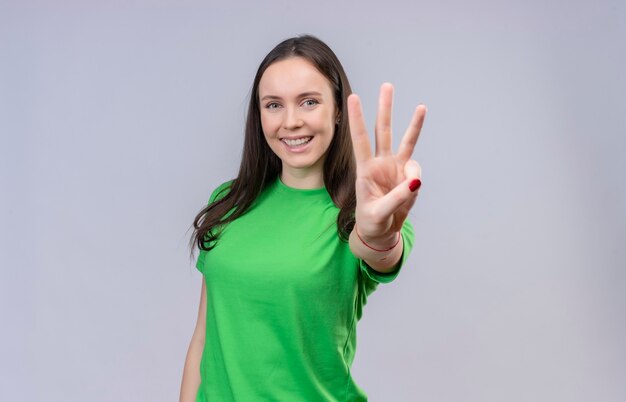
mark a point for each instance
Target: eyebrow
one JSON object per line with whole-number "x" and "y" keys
{"x": 302, "y": 95}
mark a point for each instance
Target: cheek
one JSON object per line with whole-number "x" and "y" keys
{"x": 327, "y": 123}
{"x": 267, "y": 125}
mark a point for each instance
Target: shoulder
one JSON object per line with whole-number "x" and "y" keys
{"x": 220, "y": 191}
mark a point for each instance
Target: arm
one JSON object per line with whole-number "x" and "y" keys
{"x": 191, "y": 372}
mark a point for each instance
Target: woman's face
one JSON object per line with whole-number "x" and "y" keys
{"x": 298, "y": 115}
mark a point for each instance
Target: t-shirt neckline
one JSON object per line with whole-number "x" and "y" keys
{"x": 301, "y": 191}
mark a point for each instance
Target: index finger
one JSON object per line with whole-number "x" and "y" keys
{"x": 358, "y": 132}
{"x": 412, "y": 134}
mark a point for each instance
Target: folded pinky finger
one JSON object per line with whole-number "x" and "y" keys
{"x": 412, "y": 169}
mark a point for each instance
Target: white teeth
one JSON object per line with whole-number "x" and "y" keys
{"x": 299, "y": 141}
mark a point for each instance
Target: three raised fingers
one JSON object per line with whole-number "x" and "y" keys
{"x": 358, "y": 130}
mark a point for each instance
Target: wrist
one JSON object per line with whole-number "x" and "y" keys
{"x": 384, "y": 243}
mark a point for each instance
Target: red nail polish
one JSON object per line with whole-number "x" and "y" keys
{"x": 415, "y": 184}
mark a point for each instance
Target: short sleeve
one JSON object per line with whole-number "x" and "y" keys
{"x": 217, "y": 194}
{"x": 200, "y": 261}
{"x": 407, "y": 243}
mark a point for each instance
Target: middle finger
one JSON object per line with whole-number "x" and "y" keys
{"x": 383, "y": 120}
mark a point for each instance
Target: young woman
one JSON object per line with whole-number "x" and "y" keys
{"x": 292, "y": 247}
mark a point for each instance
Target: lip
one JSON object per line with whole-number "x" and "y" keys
{"x": 300, "y": 148}
{"x": 295, "y": 137}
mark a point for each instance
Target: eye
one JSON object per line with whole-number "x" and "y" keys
{"x": 310, "y": 102}
{"x": 272, "y": 105}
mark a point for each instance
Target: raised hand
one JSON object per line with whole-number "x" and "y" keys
{"x": 386, "y": 183}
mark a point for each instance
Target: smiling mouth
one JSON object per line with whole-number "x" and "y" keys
{"x": 297, "y": 142}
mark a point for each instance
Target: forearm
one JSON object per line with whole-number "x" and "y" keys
{"x": 191, "y": 372}
{"x": 381, "y": 261}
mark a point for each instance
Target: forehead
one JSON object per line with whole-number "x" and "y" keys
{"x": 291, "y": 77}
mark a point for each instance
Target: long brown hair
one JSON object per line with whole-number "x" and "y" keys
{"x": 259, "y": 164}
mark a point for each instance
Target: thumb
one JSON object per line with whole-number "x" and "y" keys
{"x": 404, "y": 191}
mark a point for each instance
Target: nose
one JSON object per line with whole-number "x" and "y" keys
{"x": 292, "y": 119}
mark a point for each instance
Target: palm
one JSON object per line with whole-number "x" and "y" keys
{"x": 383, "y": 197}
{"x": 377, "y": 178}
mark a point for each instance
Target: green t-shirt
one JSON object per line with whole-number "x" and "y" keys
{"x": 284, "y": 294}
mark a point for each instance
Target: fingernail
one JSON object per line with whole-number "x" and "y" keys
{"x": 415, "y": 184}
